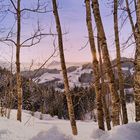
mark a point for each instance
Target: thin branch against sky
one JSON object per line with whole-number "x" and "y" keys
{"x": 72, "y": 14}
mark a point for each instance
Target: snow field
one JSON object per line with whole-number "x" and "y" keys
{"x": 51, "y": 128}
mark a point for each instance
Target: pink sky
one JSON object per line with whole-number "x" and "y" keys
{"x": 72, "y": 15}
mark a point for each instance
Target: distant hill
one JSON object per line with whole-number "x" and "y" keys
{"x": 79, "y": 74}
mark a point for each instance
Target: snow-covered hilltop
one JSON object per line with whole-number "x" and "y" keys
{"x": 79, "y": 74}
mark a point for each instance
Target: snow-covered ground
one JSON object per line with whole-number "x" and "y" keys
{"x": 33, "y": 128}
{"x": 72, "y": 76}
{"x": 51, "y": 128}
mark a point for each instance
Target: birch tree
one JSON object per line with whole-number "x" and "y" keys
{"x": 118, "y": 53}
{"x": 137, "y": 65}
{"x": 64, "y": 70}
{"x": 107, "y": 63}
{"x": 100, "y": 115}
{"x": 103, "y": 88}
{"x": 18, "y": 76}
{"x": 136, "y": 34}
{"x": 16, "y": 39}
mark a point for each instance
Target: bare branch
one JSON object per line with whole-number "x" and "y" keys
{"x": 35, "y": 10}
{"x": 41, "y": 8}
{"x": 46, "y": 61}
{"x": 32, "y": 39}
{"x": 13, "y": 4}
{"x": 84, "y": 46}
{"x": 8, "y": 40}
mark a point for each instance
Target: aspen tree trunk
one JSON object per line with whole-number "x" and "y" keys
{"x": 18, "y": 76}
{"x": 137, "y": 66}
{"x": 64, "y": 70}
{"x": 103, "y": 89}
{"x": 120, "y": 76}
{"x": 136, "y": 33}
{"x": 108, "y": 69}
{"x": 100, "y": 115}
{"x": 131, "y": 21}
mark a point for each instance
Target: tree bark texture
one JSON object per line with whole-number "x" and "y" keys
{"x": 64, "y": 70}
{"x": 107, "y": 63}
{"x": 18, "y": 76}
{"x": 119, "y": 67}
{"x": 100, "y": 114}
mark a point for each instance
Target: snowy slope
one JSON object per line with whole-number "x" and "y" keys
{"x": 32, "y": 128}
{"x": 72, "y": 76}
{"x": 80, "y": 76}
{"x": 50, "y": 128}
{"x": 124, "y": 132}
{"x": 60, "y": 130}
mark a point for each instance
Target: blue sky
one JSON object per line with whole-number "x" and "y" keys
{"x": 72, "y": 16}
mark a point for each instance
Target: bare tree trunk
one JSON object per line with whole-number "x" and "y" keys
{"x": 120, "y": 76}
{"x": 136, "y": 33}
{"x": 131, "y": 20}
{"x": 64, "y": 70}
{"x": 18, "y": 76}
{"x": 137, "y": 66}
{"x": 108, "y": 69}
{"x": 103, "y": 88}
{"x": 100, "y": 115}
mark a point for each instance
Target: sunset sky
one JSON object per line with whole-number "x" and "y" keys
{"x": 72, "y": 16}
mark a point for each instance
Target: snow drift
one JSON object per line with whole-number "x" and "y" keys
{"x": 125, "y": 132}
{"x": 51, "y": 128}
